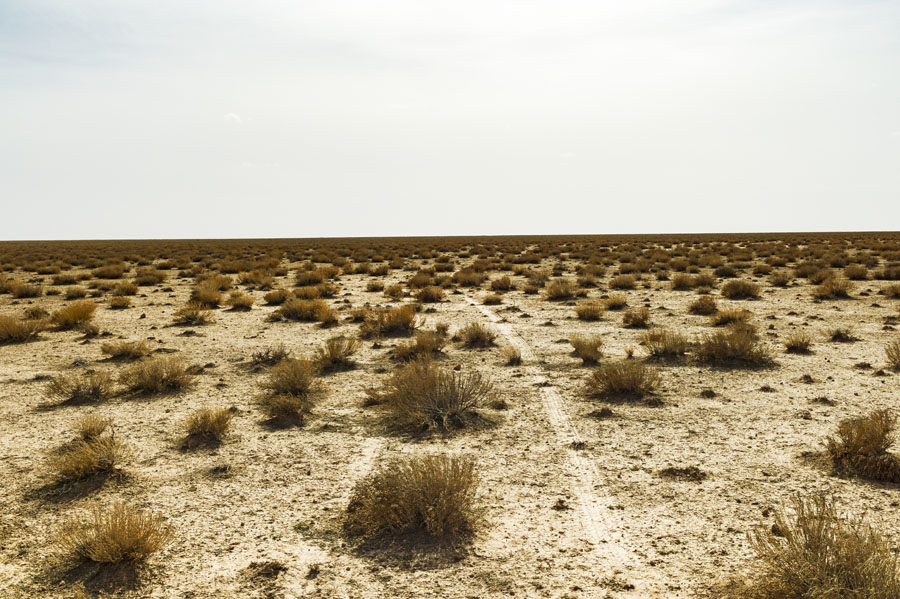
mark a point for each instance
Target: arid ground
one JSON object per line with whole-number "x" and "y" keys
{"x": 580, "y": 493}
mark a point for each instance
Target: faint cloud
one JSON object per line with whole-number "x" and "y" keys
{"x": 234, "y": 119}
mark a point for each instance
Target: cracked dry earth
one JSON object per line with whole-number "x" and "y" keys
{"x": 574, "y": 504}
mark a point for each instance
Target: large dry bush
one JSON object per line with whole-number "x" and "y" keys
{"x": 627, "y": 379}
{"x": 476, "y": 334}
{"x": 636, "y": 318}
{"x": 74, "y": 315}
{"x": 291, "y": 376}
{"x": 114, "y": 534}
{"x": 192, "y": 314}
{"x": 623, "y": 282}
{"x": 95, "y": 455}
{"x": 833, "y": 288}
{"x": 125, "y": 350}
{"x": 315, "y": 310}
{"x": 430, "y": 294}
{"x": 892, "y": 353}
{"x": 861, "y": 446}
{"x": 740, "y": 289}
{"x": 13, "y": 330}
{"x": 590, "y": 310}
{"x": 587, "y": 347}
{"x": 431, "y": 495}
{"x": 813, "y": 553}
{"x": 704, "y": 305}
{"x": 336, "y": 354}
{"x": 207, "y": 425}
{"x": 81, "y": 388}
{"x": 426, "y": 345}
{"x": 664, "y": 344}
{"x": 560, "y": 289}
{"x": 397, "y": 321}
{"x": 730, "y": 316}
{"x": 739, "y": 345}
{"x": 162, "y": 374}
{"x": 423, "y": 396}
{"x": 798, "y": 342}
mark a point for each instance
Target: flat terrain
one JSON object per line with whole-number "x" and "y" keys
{"x": 574, "y": 494}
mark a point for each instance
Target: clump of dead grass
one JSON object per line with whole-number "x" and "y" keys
{"x": 628, "y": 379}
{"x": 81, "y": 388}
{"x": 589, "y": 348}
{"x": 664, "y": 344}
{"x": 739, "y": 345}
{"x": 336, "y": 354}
{"x": 590, "y": 310}
{"x": 13, "y": 330}
{"x": 740, "y": 289}
{"x": 75, "y": 314}
{"x": 114, "y": 534}
{"x": 207, "y": 425}
{"x": 798, "y": 343}
{"x": 162, "y": 374}
{"x": 476, "y": 334}
{"x": 636, "y": 318}
{"x": 87, "y": 457}
{"x": 397, "y": 321}
{"x": 861, "y": 446}
{"x": 125, "y": 350}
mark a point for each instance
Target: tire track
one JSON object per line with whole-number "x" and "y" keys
{"x": 601, "y": 531}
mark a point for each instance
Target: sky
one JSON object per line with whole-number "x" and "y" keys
{"x": 304, "y": 118}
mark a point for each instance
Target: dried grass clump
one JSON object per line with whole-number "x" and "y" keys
{"x": 109, "y": 271}
{"x": 739, "y": 289}
{"x": 856, "y": 272}
{"x": 336, "y": 354}
{"x": 207, "y": 425}
{"x": 114, "y": 534}
{"x": 147, "y": 276}
{"x": 162, "y": 374}
{"x": 502, "y": 284}
{"x": 781, "y": 278}
{"x": 492, "y": 299}
{"x": 591, "y": 310}
{"x": 87, "y": 458}
{"x": 629, "y": 379}
{"x": 426, "y": 345}
{"x": 636, "y": 318}
{"x": 76, "y": 292}
{"x": 240, "y": 302}
{"x": 394, "y": 292}
{"x": 74, "y": 315}
{"x": 276, "y": 297}
{"x": 704, "y": 306}
{"x": 13, "y": 330}
{"x": 730, "y": 316}
{"x": 125, "y": 350}
{"x": 663, "y": 344}
{"x": 397, "y": 321}
{"x": 683, "y": 282}
{"x": 842, "y": 335}
{"x": 91, "y": 426}
{"x": 813, "y": 553}
{"x": 285, "y": 409}
{"x": 833, "y": 288}
{"x": 206, "y": 295}
{"x": 430, "y": 294}
{"x": 892, "y": 353}
{"x": 512, "y": 356}
{"x": 798, "y": 343}
{"x": 124, "y": 288}
{"x": 623, "y": 282}
{"x": 738, "y": 345}
{"x": 269, "y": 356}
{"x": 193, "y": 314}
{"x": 476, "y": 334}
{"x": 119, "y": 303}
{"x": 291, "y": 376}
{"x": 431, "y": 495}
{"x": 36, "y": 313}
{"x": 375, "y": 286}
{"x": 306, "y": 311}
{"x": 861, "y": 446}
{"x": 587, "y": 348}
{"x": 21, "y": 290}
{"x": 559, "y": 289}
{"x": 615, "y": 301}
{"x": 81, "y": 388}
{"x": 422, "y": 396}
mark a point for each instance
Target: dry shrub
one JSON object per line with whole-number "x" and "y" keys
{"x": 636, "y": 318}
{"x": 798, "y": 343}
{"x": 738, "y": 345}
{"x": 276, "y": 297}
{"x": 124, "y": 288}
{"x": 856, "y": 272}
{"x": 623, "y": 282}
{"x": 88, "y": 457}
{"x": 81, "y": 388}
{"x": 74, "y": 315}
{"x": 683, "y": 282}
{"x": 13, "y": 330}
{"x": 588, "y": 348}
{"x": 422, "y": 396}
{"x": 740, "y": 289}
{"x": 162, "y": 374}
{"x": 109, "y": 271}
{"x": 892, "y": 291}
{"x": 397, "y": 321}
{"x": 425, "y": 345}
{"x": 476, "y": 334}
{"x": 76, "y": 292}
{"x": 285, "y": 409}
{"x": 147, "y": 276}
{"x": 395, "y": 291}
{"x": 240, "y": 302}
{"x": 206, "y": 296}
{"x": 781, "y": 278}
{"x": 559, "y": 289}
{"x": 627, "y": 379}
{"x": 502, "y": 284}
{"x": 703, "y": 306}
{"x": 892, "y": 353}
{"x": 306, "y": 311}
{"x": 119, "y": 302}
{"x": 430, "y": 294}
{"x": 125, "y": 350}
{"x": 291, "y": 376}
{"x": 511, "y": 355}
{"x": 842, "y": 335}
{"x": 730, "y": 316}
{"x": 65, "y": 279}
{"x": 36, "y": 313}
{"x": 861, "y": 446}
{"x": 207, "y": 425}
{"x": 336, "y": 354}
{"x": 21, "y": 290}
{"x": 193, "y": 314}
{"x": 375, "y": 286}
{"x": 307, "y": 292}
{"x": 833, "y": 288}
{"x": 492, "y": 300}
{"x": 468, "y": 278}
{"x": 815, "y": 554}
{"x": 591, "y": 310}
{"x": 432, "y": 495}
{"x": 615, "y": 301}
{"x": 269, "y": 356}
{"x": 91, "y": 426}
{"x": 114, "y": 534}
{"x": 665, "y": 344}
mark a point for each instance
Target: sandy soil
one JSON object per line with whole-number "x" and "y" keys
{"x": 574, "y": 506}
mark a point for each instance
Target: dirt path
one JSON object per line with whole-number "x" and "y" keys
{"x": 601, "y": 529}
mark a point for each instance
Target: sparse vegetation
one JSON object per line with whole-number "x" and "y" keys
{"x": 636, "y": 318}
{"x": 476, "y": 334}
{"x": 798, "y": 343}
{"x": 126, "y": 350}
{"x": 738, "y": 345}
{"x": 81, "y": 388}
{"x": 86, "y": 458}
{"x": 740, "y": 289}
{"x": 114, "y": 534}
{"x": 590, "y": 310}
{"x": 207, "y": 425}
{"x": 162, "y": 374}
{"x": 336, "y": 354}
{"x": 861, "y": 446}
{"x": 704, "y": 305}
{"x": 75, "y": 314}
{"x": 589, "y": 348}
{"x": 398, "y": 321}
{"x": 627, "y": 380}
{"x": 664, "y": 344}
{"x": 13, "y": 330}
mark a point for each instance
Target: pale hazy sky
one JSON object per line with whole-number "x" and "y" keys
{"x": 297, "y": 118}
